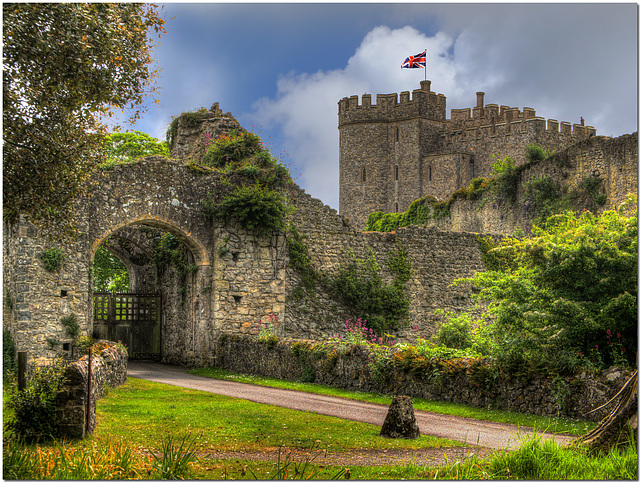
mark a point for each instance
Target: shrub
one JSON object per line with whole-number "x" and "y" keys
{"x": 455, "y": 333}
{"x": 52, "y": 259}
{"x": 71, "y": 325}
{"x": 35, "y": 406}
{"x": 256, "y": 208}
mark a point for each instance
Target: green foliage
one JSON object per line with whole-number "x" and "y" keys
{"x": 126, "y": 147}
{"x": 70, "y": 322}
{"x": 419, "y": 212}
{"x": 175, "y": 458}
{"x": 533, "y": 153}
{"x": 52, "y": 259}
{"x": 455, "y": 333}
{"x": 172, "y": 253}
{"x": 591, "y": 186}
{"x": 109, "y": 273}
{"x": 9, "y": 354}
{"x": 545, "y": 199}
{"x": 567, "y": 296}
{"x": 506, "y": 177}
{"x": 234, "y": 149}
{"x": 250, "y": 191}
{"x": 66, "y": 66}
{"x": 360, "y": 287}
{"x": 35, "y": 406}
{"x": 255, "y": 208}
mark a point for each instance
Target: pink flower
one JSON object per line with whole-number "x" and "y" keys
{"x": 596, "y": 347}
{"x": 618, "y": 335}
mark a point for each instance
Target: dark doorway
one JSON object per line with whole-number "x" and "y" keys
{"x": 132, "y": 318}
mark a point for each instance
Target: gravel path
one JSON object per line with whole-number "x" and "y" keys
{"x": 491, "y": 435}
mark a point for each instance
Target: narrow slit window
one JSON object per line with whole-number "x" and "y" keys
{"x": 364, "y": 175}
{"x": 397, "y": 134}
{"x": 430, "y": 173}
{"x": 396, "y": 173}
{"x": 396, "y": 207}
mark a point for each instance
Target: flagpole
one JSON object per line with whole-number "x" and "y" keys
{"x": 425, "y": 64}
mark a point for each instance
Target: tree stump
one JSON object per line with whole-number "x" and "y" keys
{"x": 400, "y": 421}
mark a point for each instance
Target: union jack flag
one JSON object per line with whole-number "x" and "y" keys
{"x": 418, "y": 61}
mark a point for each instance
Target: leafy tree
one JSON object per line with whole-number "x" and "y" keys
{"x": 65, "y": 67}
{"x": 109, "y": 274}
{"x": 568, "y": 294}
{"x": 128, "y": 146}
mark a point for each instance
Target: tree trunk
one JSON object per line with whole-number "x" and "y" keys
{"x": 614, "y": 429}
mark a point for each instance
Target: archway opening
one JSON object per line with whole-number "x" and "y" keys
{"x": 144, "y": 284}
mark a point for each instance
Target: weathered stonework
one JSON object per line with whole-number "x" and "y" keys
{"x": 569, "y": 397}
{"x": 108, "y": 369}
{"x": 242, "y": 278}
{"x": 393, "y": 152}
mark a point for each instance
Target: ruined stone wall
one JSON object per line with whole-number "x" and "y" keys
{"x": 615, "y": 161}
{"x": 349, "y": 369}
{"x": 39, "y": 299}
{"x": 108, "y": 369}
{"x": 437, "y": 258}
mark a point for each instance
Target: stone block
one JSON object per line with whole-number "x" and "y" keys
{"x": 400, "y": 421}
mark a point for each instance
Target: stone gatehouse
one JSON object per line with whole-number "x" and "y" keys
{"x": 238, "y": 278}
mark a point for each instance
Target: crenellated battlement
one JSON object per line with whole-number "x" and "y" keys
{"x": 491, "y": 120}
{"x": 421, "y": 103}
{"x": 404, "y": 147}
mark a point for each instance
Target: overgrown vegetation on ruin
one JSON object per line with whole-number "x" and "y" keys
{"x": 543, "y": 197}
{"x": 249, "y": 191}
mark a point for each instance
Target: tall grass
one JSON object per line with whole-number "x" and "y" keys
{"x": 110, "y": 460}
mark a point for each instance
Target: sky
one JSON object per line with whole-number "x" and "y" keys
{"x": 281, "y": 69}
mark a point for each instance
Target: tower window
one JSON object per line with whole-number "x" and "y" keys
{"x": 396, "y": 173}
{"x": 397, "y": 134}
{"x": 471, "y": 168}
{"x": 430, "y": 173}
{"x": 396, "y": 207}
{"x": 364, "y": 175}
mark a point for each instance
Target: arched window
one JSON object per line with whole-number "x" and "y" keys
{"x": 364, "y": 175}
{"x": 396, "y": 173}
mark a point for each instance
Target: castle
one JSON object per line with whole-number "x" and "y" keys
{"x": 392, "y": 153}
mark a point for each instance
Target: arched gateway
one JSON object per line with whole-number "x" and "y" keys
{"x": 213, "y": 287}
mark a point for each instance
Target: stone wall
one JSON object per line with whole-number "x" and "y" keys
{"x": 568, "y": 397}
{"x": 108, "y": 369}
{"x": 615, "y": 161}
{"x": 437, "y": 259}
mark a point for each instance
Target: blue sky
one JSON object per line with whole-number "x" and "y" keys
{"x": 282, "y": 68}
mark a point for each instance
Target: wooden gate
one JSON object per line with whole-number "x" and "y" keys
{"x": 135, "y": 319}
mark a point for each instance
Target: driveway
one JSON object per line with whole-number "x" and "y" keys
{"x": 473, "y": 432}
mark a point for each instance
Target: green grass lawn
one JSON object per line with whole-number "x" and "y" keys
{"x": 540, "y": 423}
{"x": 152, "y": 431}
{"x": 140, "y": 408}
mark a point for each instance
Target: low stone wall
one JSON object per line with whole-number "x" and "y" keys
{"x": 463, "y": 382}
{"x": 108, "y": 369}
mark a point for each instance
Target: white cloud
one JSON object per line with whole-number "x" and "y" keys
{"x": 305, "y": 107}
{"x": 553, "y": 70}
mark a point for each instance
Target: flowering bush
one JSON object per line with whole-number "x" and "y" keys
{"x": 357, "y": 333}
{"x": 268, "y": 333}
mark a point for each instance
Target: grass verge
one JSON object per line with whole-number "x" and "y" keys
{"x": 540, "y": 423}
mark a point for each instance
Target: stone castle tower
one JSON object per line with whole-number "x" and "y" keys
{"x": 392, "y": 153}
